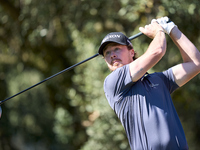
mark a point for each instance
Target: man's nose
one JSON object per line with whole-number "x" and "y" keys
{"x": 113, "y": 54}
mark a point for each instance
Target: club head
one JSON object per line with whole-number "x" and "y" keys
{"x": 0, "y": 111}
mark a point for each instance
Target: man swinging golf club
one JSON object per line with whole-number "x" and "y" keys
{"x": 142, "y": 101}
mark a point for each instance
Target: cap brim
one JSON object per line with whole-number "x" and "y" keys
{"x": 101, "y": 48}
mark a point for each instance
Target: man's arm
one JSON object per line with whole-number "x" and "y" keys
{"x": 154, "y": 53}
{"x": 191, "y": 58}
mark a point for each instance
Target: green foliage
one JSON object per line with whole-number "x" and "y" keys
{"x": 41, "y": 38}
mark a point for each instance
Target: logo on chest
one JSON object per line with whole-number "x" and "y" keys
{"x": 153, "y": 85}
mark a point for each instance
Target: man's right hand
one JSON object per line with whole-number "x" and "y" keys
{"x": 152, "y": 29}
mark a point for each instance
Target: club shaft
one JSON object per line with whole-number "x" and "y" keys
{"x": 67, "y": 69}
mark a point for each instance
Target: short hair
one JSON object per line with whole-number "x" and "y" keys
{"x": 130, "y": 47}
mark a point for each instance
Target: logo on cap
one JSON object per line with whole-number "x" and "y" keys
{"x": 111, "y": 36}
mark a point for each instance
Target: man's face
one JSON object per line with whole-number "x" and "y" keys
{"x": 117, "y": 55}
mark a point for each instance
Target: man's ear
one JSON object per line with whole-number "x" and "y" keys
{"x": 132, "y": 52}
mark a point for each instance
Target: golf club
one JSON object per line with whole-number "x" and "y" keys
{"x": 67, "y": 69}
{"x": 0, "y": 111}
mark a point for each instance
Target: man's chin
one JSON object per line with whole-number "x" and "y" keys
{"x": 114, "y": 67}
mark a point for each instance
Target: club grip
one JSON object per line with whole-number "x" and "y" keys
{"x": 140, "y": 33}
{"x": 135, "y": 36}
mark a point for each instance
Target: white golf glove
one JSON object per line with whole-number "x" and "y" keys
{"x": 166, "y": 24}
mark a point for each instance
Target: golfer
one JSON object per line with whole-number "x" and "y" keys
{"x": 142, "y": 101}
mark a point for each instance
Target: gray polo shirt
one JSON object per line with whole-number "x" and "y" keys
{"x": 146, "y": 110}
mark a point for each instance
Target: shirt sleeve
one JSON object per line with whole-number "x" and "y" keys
{"x": 117, "y": 83}
{"x": 168, "y": 78}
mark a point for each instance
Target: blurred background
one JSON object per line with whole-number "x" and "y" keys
{"x": 70, "y": 112}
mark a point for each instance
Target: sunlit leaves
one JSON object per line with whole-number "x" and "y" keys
{"x": 70, "y": 111}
